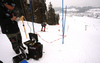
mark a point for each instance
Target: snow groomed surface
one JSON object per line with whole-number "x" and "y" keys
{"x": 81, "y": 45}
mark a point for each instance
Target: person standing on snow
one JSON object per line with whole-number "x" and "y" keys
{"x": 43, "y": 26}
{"x": 9, "y": 26}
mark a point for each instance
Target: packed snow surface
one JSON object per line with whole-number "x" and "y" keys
{"x": 81, "y": 44}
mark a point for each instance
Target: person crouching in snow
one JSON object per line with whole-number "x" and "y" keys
{"x": 9, "y": 26}
{"x": 43, "y": 26}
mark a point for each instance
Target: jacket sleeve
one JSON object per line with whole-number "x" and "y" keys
{"x": 3, "y": 19}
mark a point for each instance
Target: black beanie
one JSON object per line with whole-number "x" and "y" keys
{"x": 9, "y": 2}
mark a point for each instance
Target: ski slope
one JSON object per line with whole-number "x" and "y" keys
{"x": 81, "y": 44}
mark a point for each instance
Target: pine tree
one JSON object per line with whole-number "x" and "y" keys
{"x": 52, "y": 18}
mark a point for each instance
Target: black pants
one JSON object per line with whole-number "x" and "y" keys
{"x": 43, "y": 28}
{"x": 16, "y": 40}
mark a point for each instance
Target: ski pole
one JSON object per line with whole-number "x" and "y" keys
{"x": 62, "y": 20}
{"x": 32, "y": 15}
{"x": 23, "y": 25}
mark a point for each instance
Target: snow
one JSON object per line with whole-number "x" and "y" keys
{"x": 72, "y": 9}
{"x": 97, "y": 10}
{"x": 81, "y": 43}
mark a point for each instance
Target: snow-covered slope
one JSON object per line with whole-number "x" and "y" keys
{"x": 81, "y": 45}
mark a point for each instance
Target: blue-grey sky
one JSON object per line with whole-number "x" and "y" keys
{"x": 58, "y": 3}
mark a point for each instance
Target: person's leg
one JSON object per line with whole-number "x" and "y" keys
{"x": 19, "y": 40}
{"x": 13, "y": 40}
{"x": 42, "y": 28}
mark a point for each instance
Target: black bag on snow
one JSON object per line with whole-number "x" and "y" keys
{"x": 18, "y": 58}
{"x": 35, "y": 48}
{"x": 21, "y": 57}
{"x": 33, "y": 36}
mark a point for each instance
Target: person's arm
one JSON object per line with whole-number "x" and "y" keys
{"x": 4, "y": 20}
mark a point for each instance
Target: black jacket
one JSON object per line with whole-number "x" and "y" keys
{"x": 7, "y": 25}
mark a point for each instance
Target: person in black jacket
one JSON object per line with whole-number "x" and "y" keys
{"x": 8, "y": 24}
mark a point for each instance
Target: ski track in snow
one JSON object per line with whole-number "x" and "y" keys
{"x": 81, "y": 44}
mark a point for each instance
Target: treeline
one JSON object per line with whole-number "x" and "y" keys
{"x": 39, "y": 11}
